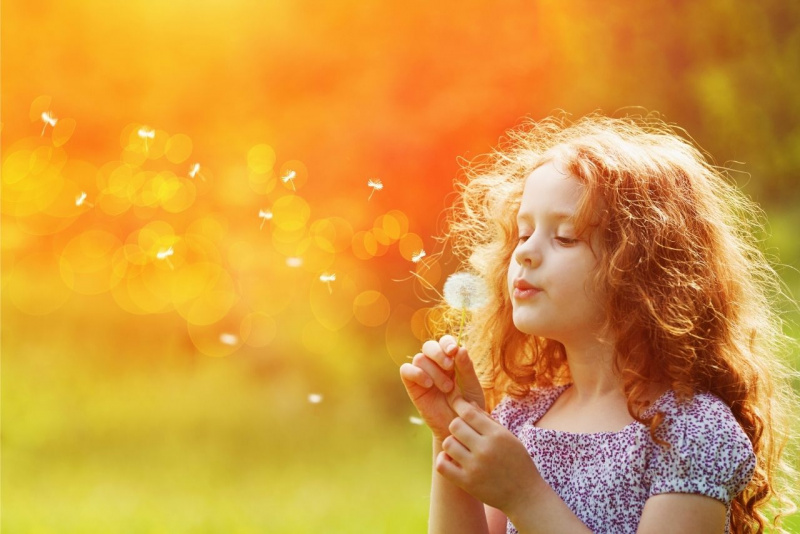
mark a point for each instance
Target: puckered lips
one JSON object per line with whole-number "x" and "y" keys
{"x": 524, "y": 289}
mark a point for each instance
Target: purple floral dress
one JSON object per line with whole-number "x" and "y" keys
{"x": 606, "y": 477}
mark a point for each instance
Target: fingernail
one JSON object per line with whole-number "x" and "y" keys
{"x": 448, "y": 362}
{"x": 448, "y": 385}
{"x": 451, "y": 348}
{"x": 428, "y": 383}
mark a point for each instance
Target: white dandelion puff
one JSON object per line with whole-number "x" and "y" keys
{"x": 195, "y": 171}
{"x": 465, "y": 292}
{"x": 376, "y": 185}
{"x": 328, "y": 278}
{"x": 146, "y": 133}
{"x": 229, "y": 339}
{"x": 418, "y": 256}
{"x": 294, "y": 261}
{"x": 81, "y": 199}
{"x": 416, "y": 420}
{"x": 289, "y": 177}
{"x": 48, "y": 118}
{"x": 266, "y": 215}
{"x": 314, "y": 398}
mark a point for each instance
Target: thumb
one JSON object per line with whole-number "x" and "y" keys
{"x": 470, "y": 384}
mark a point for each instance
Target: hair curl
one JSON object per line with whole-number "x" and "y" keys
{"x": 691, "y": 298}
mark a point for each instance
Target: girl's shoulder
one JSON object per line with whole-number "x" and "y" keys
{"x": 513, "y": 412}
{"x": 707, "y": 451}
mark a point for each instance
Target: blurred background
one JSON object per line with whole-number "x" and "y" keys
{"x": 214, "y": 216}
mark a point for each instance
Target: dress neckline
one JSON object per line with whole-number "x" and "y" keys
{"x": 560, "y": 389}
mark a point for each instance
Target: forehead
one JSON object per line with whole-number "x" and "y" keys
{"x": 550, "y": 191}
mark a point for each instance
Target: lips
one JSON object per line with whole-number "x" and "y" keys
{"x": 523, "y": 290}
{"x": 521, "y": 284}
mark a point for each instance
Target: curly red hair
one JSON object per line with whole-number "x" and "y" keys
{"x": 691, "y": 298}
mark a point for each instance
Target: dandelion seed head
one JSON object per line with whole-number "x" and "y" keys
{"x": 314, "y": 398}
{"x": 465, "y": 291}
{"x": 147, "y": 133}
{"x": 294, "y": 261}
{"x": 327, "y": 278}
{"x": 375, "y": 184}
{"x": 265, "y": 214}
{"x": 418, "y": 256}
{"x": 79, "y": 200}
{"x": 229, "y": 339}
{"x": 416, "y": 420}
{"x": 289, "y": 176}
{"x": 194, "y": 170}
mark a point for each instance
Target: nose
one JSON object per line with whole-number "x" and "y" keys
{"x": 528, "y": 253}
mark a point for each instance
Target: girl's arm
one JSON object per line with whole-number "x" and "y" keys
{"x": 453, "y": 509}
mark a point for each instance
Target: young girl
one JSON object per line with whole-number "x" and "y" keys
{"x": 629, "y": 352}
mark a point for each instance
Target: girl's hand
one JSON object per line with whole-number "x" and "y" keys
{"x": 486, "y": 460}
{"x": 430, "y": 381}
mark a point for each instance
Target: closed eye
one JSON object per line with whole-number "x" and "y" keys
{"x": 566, "y": 240}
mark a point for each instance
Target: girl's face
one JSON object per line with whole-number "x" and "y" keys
{"x": 551, "y": 259}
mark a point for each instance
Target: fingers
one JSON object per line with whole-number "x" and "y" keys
{"x": 411, "y": 374}
{"x": 455, "y": 449}
{"x": 441, "y": 379}
{"x": 436, "y": 353}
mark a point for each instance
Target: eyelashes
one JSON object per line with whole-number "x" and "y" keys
{"x": 562, "y": 240}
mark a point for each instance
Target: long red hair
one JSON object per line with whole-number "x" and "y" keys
{"x": 691, "y": 297}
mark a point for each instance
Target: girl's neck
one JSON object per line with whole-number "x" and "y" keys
{"x": 591, "y": 367}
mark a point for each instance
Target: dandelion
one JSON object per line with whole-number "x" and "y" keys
{"x": 328, "y": 278}
{"x": 294, "y": 261}
{"x": 266, "y": 215}
{"x": 418, "y": 256}
{"x": 314, "y": 398}
{"x": 146, "y": 133}
{"x": 465, "y": 292}
{"x": 48, "y": 118}
{"x": 195, "y": 171}
{"x": 80, "y": 199}
{"x": 376, "y": 185}
{"x": 290, "y": 178}
{"x": 164, "y": 255}
{"x": 415, "y": 420}
{"x": 229, "y": 339}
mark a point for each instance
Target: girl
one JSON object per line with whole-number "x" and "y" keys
{"x": 629, "y": 352}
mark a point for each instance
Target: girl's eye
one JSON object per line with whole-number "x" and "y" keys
{"x": 566, "y": 240}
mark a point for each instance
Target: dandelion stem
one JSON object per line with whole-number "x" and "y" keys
{"x": 461, "y": 326}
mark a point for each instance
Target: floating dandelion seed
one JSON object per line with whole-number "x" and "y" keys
{"x": 195, "y": 171}
{"x": 290, "y": 178}
{"x": 418, "y": 256}
{"x": 314, "y": 398}
{"x": 465, "y": 292}
{"x": 328, "y": 278}
{"x": 81, "y": 199}
{"x": 229, "y": 339}
{"x": 294, "y": 261}
{"x": 416, "y": 420}
{"x": 266, "y": 215}
{"x": 48, "y": 118}
{"x": 146, "y": 133}
{"x": 164, "y": 255}
{"x": 376, "y": 185}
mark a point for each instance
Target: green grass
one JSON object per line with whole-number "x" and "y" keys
{"x": 153, "y": 446}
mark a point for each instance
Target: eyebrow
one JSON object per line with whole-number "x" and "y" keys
{"x": 557, "y": 215}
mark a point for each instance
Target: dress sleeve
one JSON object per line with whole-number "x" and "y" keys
{"x": 710, "y": 454}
